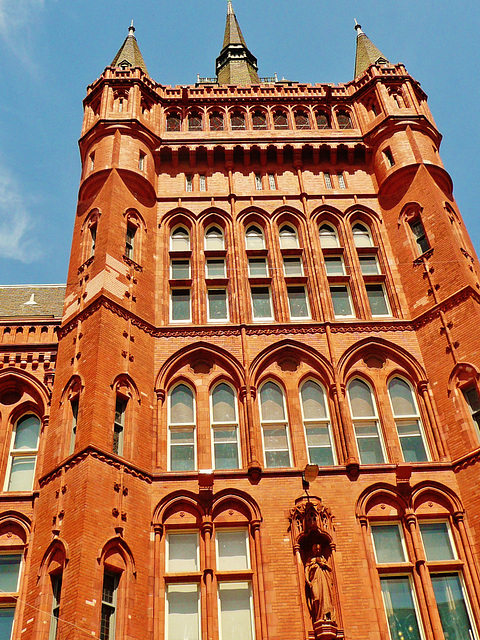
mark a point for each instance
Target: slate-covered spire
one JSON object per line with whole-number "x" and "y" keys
{"x": 235, "y": 64}
{"x": 367, "y": 52}
{"x": 129, "y": 54}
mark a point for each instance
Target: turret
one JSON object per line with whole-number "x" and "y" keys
{"x": 235, "y": 64}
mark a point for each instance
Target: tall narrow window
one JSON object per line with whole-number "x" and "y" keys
{"x": 408, "y": 422}
{"x": 419, "y": 235}
{"x": 188, "y": 183}
{"x": 365, "y": 423}
{"x": 254, "y": 239}
{"x": 361, "y": 235}
{"x": 109, "y": 606}
{"x": 23, "y": 454}
{"x": 56, "y": 581}
{"x": 225, "y": 428}
{"x": 400, "y": 607}
{"x": 388, "y": 155}
{"x": 93, "y": 238}
{"x": 274, "y": 426}
{"x": 473, "y": 402}
{"x": 258, "y": 182}
{"x": 328, "y": 237}
{"x": 182, "y": 429}
{"x": 10, "y": 566}
{"x": 74, "y": 417}
{"x": 298, "y": 303}
{"x": 7, "y": 615}
{"x": 214, "y": 240}
{"x": 316, "y": 423}
{"x": 130, "y": 240}
{"x": 271, "y": 182}
{"x": 288, "y": 237}
{"x": 142, "y": 161}
{"x": 328, "y": 180}
{"x": 203, "y": 182}
{"x": 341, "y": 181}
{"x": 92, "y": 161}
{"x": 119, "y": 426}
{"x": 180, "y": 240}
{"x": 181, "y": 310}
{"x": 216, "y": 121}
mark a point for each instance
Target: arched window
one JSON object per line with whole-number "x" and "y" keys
{"x": 288, "y": 237}
{"x": 226, "y": 453}
{"x": 365, "y": 423}
{"x": 273, "y": 414}
{"x": 328, "y": 237}
{"x": 344, "y": 120}
{"x": 119, "y": 424}
{"x": 361, "y": 235}
{"x": 301, "y": 120}
{"x": 182, "y": 423}
{"x": 214, "y": 240}
{"x": 254, "y": 238}
{"x": 93, "y": 238}
{"x": 23, "y": 454}
{"x": 316, "y": 423}
{"x": 195, "y": 122}
{"x": 259, "y": 120}
{"x": 130, "y": 240}
{"x": 323, "y": 121}
{"x": 280, "y": 120}
{"x": 180, "y": 240}
{"x": 237, "y": 120}
{"x": 407, "y": 419}
{"x": 216, "y": 121}
{"x": 174, "y": 122}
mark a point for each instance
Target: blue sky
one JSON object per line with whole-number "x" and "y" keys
{"x": 52, "y": 49}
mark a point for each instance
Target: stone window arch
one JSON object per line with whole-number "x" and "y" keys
{"x": 344, "y": 119}
{"x": 254, "y": 238}
{"x": 237, "y": 120}
{"x": 180, "y": 239}
{"x": 323, "y": 120}
{"x": 259, "y": 120}
{"x": 302, "y": 121}
{"x": 280, "y": 119}
{"x": 214, "y": 238}
{"x": 288, "y": 237}
{"x": 195, "y": 121}
{"x": 216, "y": 120}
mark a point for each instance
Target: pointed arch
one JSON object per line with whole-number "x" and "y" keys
{"x": 117, "y": 545}
{"x": 446, "y": 496}
{"x": 462, "y": 373}
{"x": 214, "y": 215}
{"x": 16, "y": 520}
{"x": 244, "y": 501}
{"x": 360, "y": 212}
{"x": 174, "y": 501}
{"x": 377, "y": 493}
{"x": 56, "y": 546}
{"x": 12, "y": 378}
{"x": 254, "y": 215}
{"x": 178, "y": 216}
{"x": 73, "y": 387}
{"x": 135, "y": 217}
{"x": 125, "y": 381}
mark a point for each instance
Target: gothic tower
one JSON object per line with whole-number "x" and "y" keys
{"x": 265, "y": 414}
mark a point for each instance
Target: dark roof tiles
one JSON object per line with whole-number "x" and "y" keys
{"x": 32, "y": 301}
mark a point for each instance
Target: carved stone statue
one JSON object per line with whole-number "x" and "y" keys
{"x": 319, "y": 579}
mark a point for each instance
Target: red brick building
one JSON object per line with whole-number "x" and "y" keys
{"x": 264, "y": 275}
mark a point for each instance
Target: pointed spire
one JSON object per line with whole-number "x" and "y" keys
{"x": 129, "y": 54}
{"x": 367, "y": 52}
{"x": 235, "y": 64}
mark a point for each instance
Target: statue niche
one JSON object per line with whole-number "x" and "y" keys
{"x": 311, "y": 526}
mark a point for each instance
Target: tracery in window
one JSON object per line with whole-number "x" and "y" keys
{"x": 328, "y": 237}
{"x": 361, "y": 235}
{"x": 214, "y": 240}
{"x": 180, "y": 239}
{"x": 288, "y": 237}
{"x": 254, "y": 238}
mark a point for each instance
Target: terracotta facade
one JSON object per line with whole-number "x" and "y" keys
{"x": 262, "y": 277}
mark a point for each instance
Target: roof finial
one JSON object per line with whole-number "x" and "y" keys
{"x": 230, "y": 11}
{"x": 131, "y": 29}
{"x": 358, "y": 27}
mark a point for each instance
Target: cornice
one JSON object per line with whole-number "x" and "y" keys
{"x": 469, "y": 460}
{"x": 445, "y": 305}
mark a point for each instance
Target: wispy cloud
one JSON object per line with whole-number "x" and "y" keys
{"x": 16, "y": 17}
{"x": 16, "y": 224}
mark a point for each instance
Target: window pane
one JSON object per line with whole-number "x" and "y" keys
{"x": 377, "y": 300}
{"x": 411, "y": 441}
{"x": 361, "y": 236}
{"x": 215, "y": 268}
{"x": 388, "y": 543}
{"x": 369, "y": 265}
{"x": 402, "y": 398}
{"x": 226, "y": 453}
{"x": 182, "y": 552}
{"x": 181, "y": 304}
{"x": 217, "y": 304}
{"x": 214, "y": 240}
{"x": 328, "y": 237}
{"x": 277, "y": 459}
{"x": 452, "y": 607}
{"x": 182, "y": 457}
{"x": 297, "y": 300}
{"x": 334, "y": 266}
{"x": 293, "y": 267}
{"x": 319, "y": 445}
{"x": 255, "y": 239}
{"x": 313, "y": 401}
{"x": 6, "y": 622}
{"x": 341, "y": 301}
{"x": 288, "y": 238}
{"x": 223, "y": 402}
{"x": 180, "y": 269}
{"x": 180, "y": 240}
{"x": 257, "y": 267}
{"x": 183, "y": 613}
{"x": 261, "y": 303}
{"x": 361, "y": 399}
{"x": 369, "y": 445}
{"x": 21, "y": 474}
{"x": 181, "y": 405}
{"x": 436, "y": 541}
{"x": 400, "y": 609}
{"x": 26, "y": 433}
{"x": 232, "y": 550}
{"x": 276, "y": 447}
{"x": 9, "y": 571}
{"x": 235, "y": 611}
{"x": 271, "y": 401}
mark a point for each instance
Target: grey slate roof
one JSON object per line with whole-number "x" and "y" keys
{"x": 367, "y": 53}
{"x": 129, "y": 53}
{"x": 32, "y": 301}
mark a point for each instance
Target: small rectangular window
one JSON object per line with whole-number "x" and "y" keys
{"x": 181, "y": 310}
{"x": 261, "y": 303}
{"x": 217, "y": 305}
{"x": 369, "y": 265}
{"x": 203, "y": 183}
{"x": 56, "y": 595}
{"x": 9, "y": 573}
{"x": 182, "y": 553}
{"x": 109, "y": 606}
{"x": 452, "y": 606}
{"x": 341, "y": 181}
{"x": 377, "y": 299}
{"x": 183, "y": 612}
{"x": 388, "y": 543}
{"x": 118, "y": 429}
{"x": 271, "y": 182}
{"x": 142, "y": 161}
{"x": 473, "y": 401}
{"x": 257, "y": 268}
{"x": 334, "y": 266}
{"x": 258, "y": 182}
{"x": 342, "y": 305}
{"x": 292, "y": 267}
{"x": 235, "y": 610}
{"x": 232, "y": 550}
{"x": 400, "y": 607}
{"x": 276, "y": 446}
{"x": 328, "y": 180}
{"x": 389, "y": 157}
{"x": 182, "y": 449}
{"x": 298, "y": 302}
{"x": 180, "y": 270}
{"x": 216, "y": 268}
{"x": 188, "y": 183}
{"x": 436, "y": 541}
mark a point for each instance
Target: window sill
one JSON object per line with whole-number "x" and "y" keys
{"x": 180, "y": 254}
{"x": 257, "y": 253}
{"x": 294, "y": 251}
{"x": 177, "y": 284}
{"x": 216, "y": 282}
{"x": 219, "y": 253}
